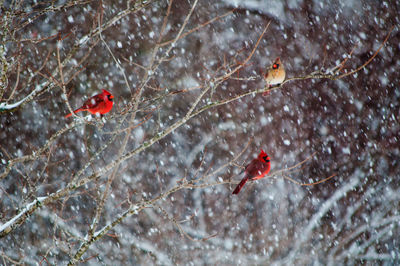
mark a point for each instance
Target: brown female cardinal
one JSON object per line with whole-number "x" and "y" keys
{"x": 275, "y": 74}
{"x": 257, "y": 169}
{"x": 99, "y": 104}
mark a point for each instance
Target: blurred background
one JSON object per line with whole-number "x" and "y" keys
{"x": 351, "y": 124}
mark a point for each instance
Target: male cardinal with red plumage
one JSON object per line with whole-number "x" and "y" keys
{"x": 99, "y": 104}
{"x": 257, "y": 169}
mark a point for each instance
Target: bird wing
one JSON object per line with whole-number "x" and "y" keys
{"x": 257, "y": 169}
{"x": 93, "y": 102}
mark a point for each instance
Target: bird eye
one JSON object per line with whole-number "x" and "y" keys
{"x": 275, "y": 66}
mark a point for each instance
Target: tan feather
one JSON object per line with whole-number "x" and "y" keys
{"x": 276, "y": 73}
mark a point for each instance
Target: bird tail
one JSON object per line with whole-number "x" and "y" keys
{"x": 239, "y": 187}
{"x": 76, "y": 111}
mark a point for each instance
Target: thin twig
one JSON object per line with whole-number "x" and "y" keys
{"x": 369, "y": 60}
{"x": 60, "y": 70}
{"x": 308, "y": 184}
{"x": 165, "y": 21}
{"x": 199, "y": 27}
{"x": 289, "y": 169}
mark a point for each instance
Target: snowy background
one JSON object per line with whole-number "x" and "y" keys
{"x": 351, "y": 124}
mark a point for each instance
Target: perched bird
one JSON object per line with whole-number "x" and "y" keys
{"x": 257, "y": 169}
{"x": 99, "y": 104}
{"x": 275, "y": 74}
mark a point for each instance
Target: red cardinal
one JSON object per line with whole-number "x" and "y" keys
{"x": 257, "y": 169}
{"x": 99, "y": 104}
